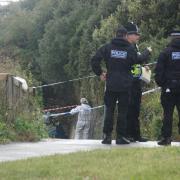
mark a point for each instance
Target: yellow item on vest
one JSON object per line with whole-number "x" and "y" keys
{"x": 136, "y": 70}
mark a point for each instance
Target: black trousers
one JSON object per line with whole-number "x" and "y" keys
{"x": 133, "y": 124}
{"x": 169, "y": 101}
{"x": 110, "y": 100}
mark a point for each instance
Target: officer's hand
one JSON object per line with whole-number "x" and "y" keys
{"x": 103, "y": 76}
{"x": 149, "y": 49}
{"x": 147, "y": 68}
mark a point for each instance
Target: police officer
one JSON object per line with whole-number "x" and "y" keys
{"x": 167, "y": 76}
{"x": 119, "y": 56}
{"x": 133, "y": 125}
{"x": 84, "y": 119}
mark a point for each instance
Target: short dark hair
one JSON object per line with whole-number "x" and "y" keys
{"x": 121, "y": 32}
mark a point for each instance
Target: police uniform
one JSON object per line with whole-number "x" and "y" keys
{"x": 133, "y": 124}
{"x": 119, "y": 56}
{"x": 167, "y": 76}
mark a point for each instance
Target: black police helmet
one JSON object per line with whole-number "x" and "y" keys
{"x": 132, "y": 28}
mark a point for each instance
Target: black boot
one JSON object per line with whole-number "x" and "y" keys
{"x": 141, "y": 139}
{"x": 165, "y": 141}
{"x": 122, "y": 140}
{"x": 131, "y": 139}
{"x": 107, "y": 139}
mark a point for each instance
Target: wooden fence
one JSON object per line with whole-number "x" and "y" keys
{"x": 13, "y": 99}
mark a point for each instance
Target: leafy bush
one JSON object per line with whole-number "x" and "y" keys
{"x": 4, "y": 132}
{"x": 28, "y": 124}
{"x": 54, "y": 41}
{"x": 29, "y": 128}
{"x": 152, "y": 116}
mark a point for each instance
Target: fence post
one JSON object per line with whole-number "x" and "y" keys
{"x": 10, "y": 93}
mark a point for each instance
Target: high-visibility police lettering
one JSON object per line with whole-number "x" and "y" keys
{"x": 118, "y": 54}
{"x": 175, "y": 55}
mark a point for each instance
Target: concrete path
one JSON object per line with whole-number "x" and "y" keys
{"x": 16, "y": 151}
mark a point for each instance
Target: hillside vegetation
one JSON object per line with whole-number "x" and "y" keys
{"x": 54, "y": 40}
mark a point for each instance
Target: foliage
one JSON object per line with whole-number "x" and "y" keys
{"x": 4, "y": 132}
{"x": 151, "y": 116}
{"x": 54, "y": 40}
{"x": 29, "y": 124}
{"x": 29, "y": 127}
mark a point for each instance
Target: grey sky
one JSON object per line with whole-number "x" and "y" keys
{"x": 6, "y": 2}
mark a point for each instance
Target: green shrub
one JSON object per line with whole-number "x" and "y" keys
{"x": 30, "y": 127}
{"x": 151, "y": 117}
{"x": 4, "y": 133}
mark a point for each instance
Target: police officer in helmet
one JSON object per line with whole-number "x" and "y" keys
{"x": 167, "y": 76}
{"x": 133, "y": 124}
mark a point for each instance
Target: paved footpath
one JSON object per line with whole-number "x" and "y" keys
{"x": 16, "y": 151}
